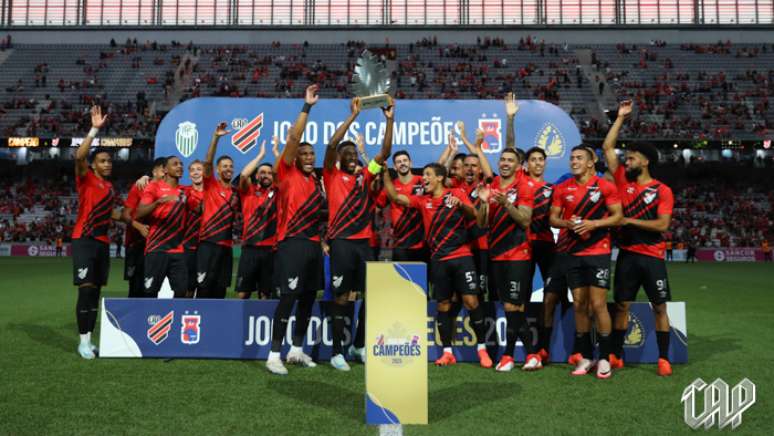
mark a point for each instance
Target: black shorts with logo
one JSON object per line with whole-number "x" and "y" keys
{"x": 481, "y": 263}
{"x": 453, "y": 276}
{"x": 633, "y": 270}
{"x": 214, "y": 265}
{"x": 591, "y": 270}
{"x": 159, "y": 265}
{"x": 91, "y": 262}
{"x": 556, "y": 282}
{"x": 348, "y": 265}
{"x": 190, "y": 264}
{"x": 298, "y": 266}
{"x": 134, "y": 267}
{"x": 511, "y": 280}
{"x": 256, "y": 270}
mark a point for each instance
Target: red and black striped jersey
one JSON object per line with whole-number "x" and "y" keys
{"x": 95, "y": 205}
{"x": 259, "y": 215}
{"x": 300, "y": 204}
{"x": 350, "y": 205}
{"x": 167, "y": 220}
{"x": 132, "y": 236}
{"x": 193, "y": 221}
{"x": 407, "y": 228}
{"x": 587, "y": 201}
{"x": 642, "y": 202}
{"x": 446, "y": 232}
{"x": 542, "y": 193}
{"x": 219, "y": 207}
{"x": 507, "y": 240}
{"x": 477, "y": 234}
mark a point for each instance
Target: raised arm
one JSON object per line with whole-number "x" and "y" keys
{"x": 220, "y": 131}
{"x": 624, "y": 109}
{"x": 446, "y": 157}
{"x": 482, "y": 214}
{"x": 361, "y": 151}
{"x": 330, "y": 152}
{"x": 511, "y": 107}
{"x": 297, "y": 131}
{"x": 389, "y": 189}
{"x": 475, "y": 148}
{"x": 386, "y": 151}
{"x": 82, "y": 153}
{"x": 249, "y": 169}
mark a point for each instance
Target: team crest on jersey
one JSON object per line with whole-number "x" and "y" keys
{"x": 649, "y": 197}
{"x": 551, "y": 140}
{"x": 186, "y": 138}
{"x": 247, "y": 132}
{"x": 447, "y": 201}
{"x": 547, "y": 192}
{"x": 492, "y": 128}
{"x": 594, "y": 195}
{"x": 190, "y": 330}
{"x": 512, "y": 196}
{"x": 160, "y": 327}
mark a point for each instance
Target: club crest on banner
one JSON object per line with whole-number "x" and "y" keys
{"x": 247, "y": 132}
{"x": 186, "y": 138}
{"x": 190, "y": 331}
{"x": 160, "y": 327}
{"x": 551, "y": 140}
{"x": 492, "y": 128}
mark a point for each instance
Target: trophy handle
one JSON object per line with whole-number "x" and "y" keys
{"x": 372, "y": 101}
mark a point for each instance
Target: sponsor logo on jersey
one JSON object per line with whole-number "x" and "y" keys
{"x": 160, "y": 327}
{"x": 492, "y": 128}
{"x": 247, "y": 136}
{"x": 551, "y": 140}
{"x": 190, "y": 330}
{"x": 186, "y": 138}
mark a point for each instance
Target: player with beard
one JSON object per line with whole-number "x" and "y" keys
{"x": 350, "y": 214}
{"x": 298, "y": 260}
{"x": 195, "y": 194}
{"x": 136, "y": 232}
{"x": 647, "y": 205}
{"x": 91, "y": 245}
{"x": 452, "y": 271}
{"x": 165, "y": 204}
{"x": 506, "y": 210}
{"x": 407, "y": 230}
{"x": 259, "y": 212}
{"x": 584, "y": 208}
{"x": 214, "y": 259}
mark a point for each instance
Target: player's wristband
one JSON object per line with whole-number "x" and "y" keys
{"x": 93, "y": 132}
{"x": 374, "y": 168}
{"x": 307, "y": 107}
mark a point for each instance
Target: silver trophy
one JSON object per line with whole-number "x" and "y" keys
{"x": 371, "y": 82}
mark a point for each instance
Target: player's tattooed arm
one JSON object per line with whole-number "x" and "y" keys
{"x": 82, "y": 153}
{"x": 660, "y": 224}
{"x": 482, "y": 214}
{"x": 330, "y": 152}
{"x": 511, "y": 107}
{"x": 220, "y": 131}
{"x": 297, "y": 131}
{"x": 249, "y": 169}
{"x": 556, "y": 221}
{"x": 392, "y": 193}
{"x": 386, "y": 151}
{"x": 361, "y": 151}
{"x": 475, "y": 149}
{"x": 624, "y": 110}
{"x": 521, "y": 214}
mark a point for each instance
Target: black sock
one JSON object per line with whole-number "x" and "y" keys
{"x": 617, "y": 339}
{"x": 511, "y": 332}
{"x": 279, "y": 325}
{"x": 477, "y": 322}
{"x": 585, "y": 347}
{"x": 545, "y": 338}
{"x": 93, "y": 309}
{"x": 442, "y": 323}
{"x": 83, "y": 308}
{"x": 454, "y": 312}
{"x": 662, "y": 338}
{"x": 303, "y": 314}
{"x": 338, "y": 313}
{"x": 577, "y": 344}
{"x": 525, "y": 333}
{"x": 360, "y": 331}
{"x": 604, "y": 345}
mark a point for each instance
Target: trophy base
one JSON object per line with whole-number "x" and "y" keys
{"x": 372, "y": 101}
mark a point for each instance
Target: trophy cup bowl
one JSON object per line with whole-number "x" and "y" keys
{"x": 371, "y": 82}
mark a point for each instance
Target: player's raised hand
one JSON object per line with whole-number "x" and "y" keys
{"x": 355, "y": 106}
{"x": 142, "y": 182}
{"x": 221, "y": 130}
{"x": 461, "y": 128}
{"x": 389, "y": 111}
{"x": 311, "y": 97}
{"x": 625, "y": 109}
{"x": 360, "y": 141}
{"x": 97, "y": 119}
{"x": 479, "y": 137}
{"x": 453, "y": 147}
{"x": 500, "y": 198}
{"x": 484, "y": 193}
{"x": 262, "y": 151}
{"x": 275, "y": 146}
{"x": 511, "y": 105}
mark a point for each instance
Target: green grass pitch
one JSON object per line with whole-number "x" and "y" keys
{"x": 45, "y": 388}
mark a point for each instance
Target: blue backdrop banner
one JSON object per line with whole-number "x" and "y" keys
{"x": 421, "y": 127}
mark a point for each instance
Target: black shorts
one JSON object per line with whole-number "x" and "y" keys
{"x": 481, "y": 263}
{"x": 159, "y": 265}
{"x": 588, "y": 271}
{"x": 410, "y": 255}
{"x": 511, "y": 279}
{"x": 256, "y": 270}
{"x": 556, "y": 282}
{"x": 543, "y": 254}
{"x": 453, "y": 276}
{"x": 348, "y": 265}
{"x": 91, "y": 262}
{"x": 633, "y": 270}
{"x": 134, "y": 268}
{"x": 298, "y": 266}
{"x": 214, "y": 264}
{"x": 190, "y": 265}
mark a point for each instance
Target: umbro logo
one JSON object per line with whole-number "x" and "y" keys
{"x": 130, "y": 271}
{"x": 337, "y": 281}
{"x": 82, "y": 273}
{"x": 148, "y": 282}
{"x": 200, "y": 277}
{"x": 429, "y": 205}
{"x": 570, "y": 198}
{"x": 630, "y": 190}
{"x": 293, "y": 283}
